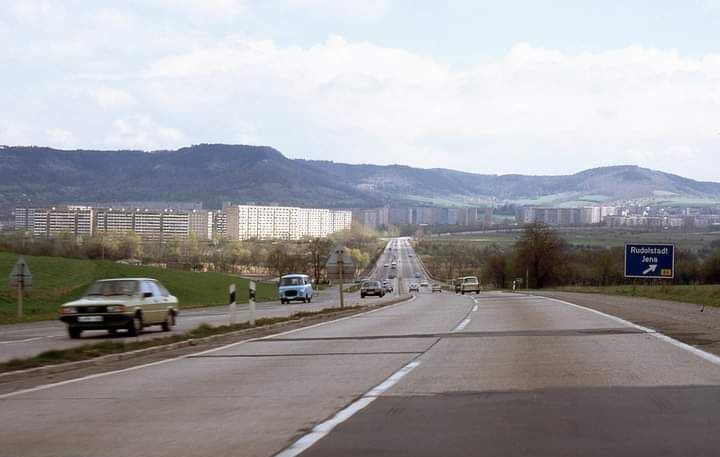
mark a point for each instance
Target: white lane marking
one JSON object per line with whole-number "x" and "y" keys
{"x": 25, "y": 340}
{"x": 174, "y": 359}
{"x": 475, "y": 308}
{"x": 712, "y": 358}
{"x": 462, "y": 325}
{"x": 321, "y": 430}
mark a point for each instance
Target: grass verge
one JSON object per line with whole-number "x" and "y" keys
{"x": 91, "y": 351}
{"x": 708, "y": 295}
{"x": 57, "y": 280}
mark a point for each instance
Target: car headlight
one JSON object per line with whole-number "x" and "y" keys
{"x": 116, "y": 309}
{"x": 68, "y": 310}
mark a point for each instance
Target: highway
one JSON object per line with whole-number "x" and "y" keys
{"x": 494, "y": 374}
{"x": 27, "y": 340}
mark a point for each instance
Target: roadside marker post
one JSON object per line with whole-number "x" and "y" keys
{"x": 20, "y": 279}
{"x": 233, "y": 304}
{"x": 251, "y": 301}
{"x": 339, "y": 266}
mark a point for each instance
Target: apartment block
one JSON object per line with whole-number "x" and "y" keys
{"x": 24, "y": 219}
{"x": 286, "y": 223}
{"x": 56, "y": 221}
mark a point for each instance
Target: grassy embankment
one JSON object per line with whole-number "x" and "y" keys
{"x": 57, "y": 280}
{"x": 708, "y": 295}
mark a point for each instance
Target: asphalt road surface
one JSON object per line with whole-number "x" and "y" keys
{"x": 492, "y": 374}
{"x": 27, "y": 340}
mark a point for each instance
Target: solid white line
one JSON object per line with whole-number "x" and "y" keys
{"x": 475, "y": 308}
{"x": 25, "y": 340}
{"x": 712, "y": 358}
{"x": 321, "y": 430}
{"x": 160, "y": 362}
{"x": 462, "y": 325}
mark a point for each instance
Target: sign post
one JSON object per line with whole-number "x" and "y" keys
{"x": 340, "y": 266}
{"x": 20, "y": 279}
{"x": 233, "y": 304}
{"x": 650, "y": 261}
{"x": 251, "y": 301}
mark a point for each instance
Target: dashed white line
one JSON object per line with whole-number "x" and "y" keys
{"x": 321, "y": 430}
{"x": 475, "y": 308}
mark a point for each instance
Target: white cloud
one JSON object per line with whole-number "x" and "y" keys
{"x": 532, "y": 108}
{"x": 108, "y": 97}
{"x": 367, "y": 9}
{"x": 142, "y": 132}
{"x": 60, "y": 138}
{"x": 212, "y": 8}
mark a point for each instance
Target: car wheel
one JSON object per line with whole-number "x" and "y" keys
{"x": 135, "y": 326}
{"x": 309, "y": 299}
{"x": 112, "y": 331}
{"x": 74, "y": 332}
{"x": 362, "y": 295}
{"x": 304, "y": 300}
{"x": 167, "y": 323}
{"x": 462, "y": 292}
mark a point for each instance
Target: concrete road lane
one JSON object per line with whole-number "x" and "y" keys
{"x": 247, "y": 399}
{"x": 530, "y": 376}
{"x": 26, "y": 340}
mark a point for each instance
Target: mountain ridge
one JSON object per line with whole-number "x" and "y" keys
{"x": 214, "y": 173}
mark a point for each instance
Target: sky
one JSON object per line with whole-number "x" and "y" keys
{"x": 531, "y": 87}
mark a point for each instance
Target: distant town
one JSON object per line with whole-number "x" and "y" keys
{"x": 165, "y": 221}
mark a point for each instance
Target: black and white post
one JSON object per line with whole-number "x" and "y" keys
{"x": 233, "y": 304}
{"x": 251, "y": 302}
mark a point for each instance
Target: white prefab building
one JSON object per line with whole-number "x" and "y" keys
{"x": 284, "y": 223}
{"x": 56, "y": 221}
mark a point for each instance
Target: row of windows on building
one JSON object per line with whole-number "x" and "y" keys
{"x": 289, "y": 223}
{"x": 236, "y": 222}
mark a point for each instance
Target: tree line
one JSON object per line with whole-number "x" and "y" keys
{"x": 546, "y": 259}
{"x": 262, "y": 257}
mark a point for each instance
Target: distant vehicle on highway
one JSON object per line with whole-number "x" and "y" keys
{"x": 295, "y": 287}
{"x": 393, "y": 264}
{"x": 124, "y": 303}
{"x": 424, "y": 284}
{"x": 436, "y": 288}
{"x": 372, "y": 288}
{"x": 388, "y": 286}
{"x": 386, "y": 265}
{"x": 417, "y": 274}
{"x": 467, "y": 284}
{"x": 414, "y": 287}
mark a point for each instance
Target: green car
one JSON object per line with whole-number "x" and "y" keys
{"x": 129, "y": 304}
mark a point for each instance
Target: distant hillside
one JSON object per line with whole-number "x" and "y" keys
{"x": 213, "y": 173}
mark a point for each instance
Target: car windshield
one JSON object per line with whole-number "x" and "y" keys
{"x": 370, "y": 284}
{"x": 109, "y": 288}
{"x": 294, "y": 281}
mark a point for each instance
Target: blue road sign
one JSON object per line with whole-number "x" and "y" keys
{"x": 652, "y": 261}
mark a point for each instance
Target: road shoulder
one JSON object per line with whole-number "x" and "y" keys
{"x": 681, "y": 321}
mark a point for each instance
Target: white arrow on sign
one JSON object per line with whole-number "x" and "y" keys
{"x": 650, "y": 269}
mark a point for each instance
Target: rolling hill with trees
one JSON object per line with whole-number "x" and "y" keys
{"x": 214, "y": 173}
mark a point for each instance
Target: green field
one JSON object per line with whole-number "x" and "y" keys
{"x": 598, "y": 237}
{"x": 57, "y": 280}
{"x": 708, "y": 295}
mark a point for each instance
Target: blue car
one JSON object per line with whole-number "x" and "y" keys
{"x": 295, "y": 287}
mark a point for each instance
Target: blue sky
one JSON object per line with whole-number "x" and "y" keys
{"x": 490, "y": 87}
